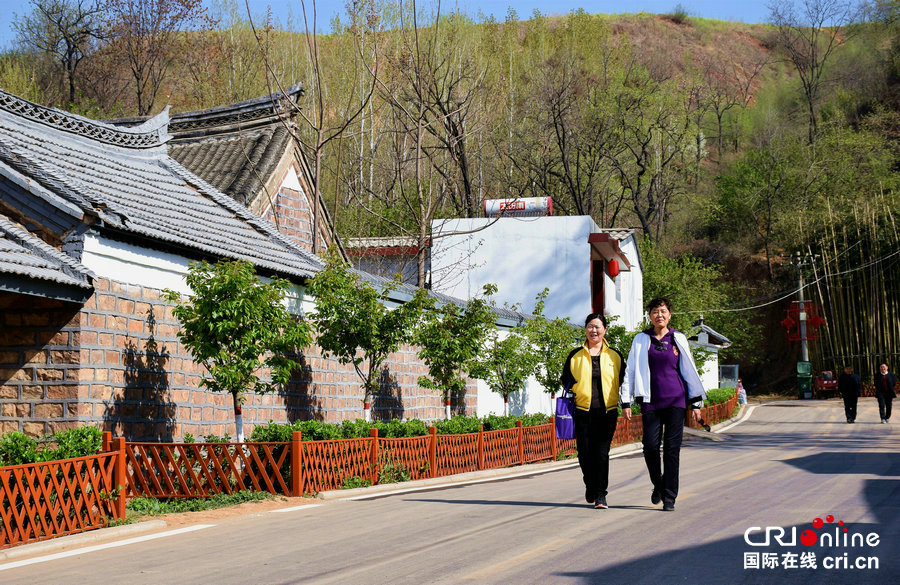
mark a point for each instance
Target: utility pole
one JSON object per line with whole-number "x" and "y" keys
{"x": 804, "y": 348}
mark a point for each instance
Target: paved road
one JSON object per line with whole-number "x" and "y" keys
{"x": 787, "y": 465}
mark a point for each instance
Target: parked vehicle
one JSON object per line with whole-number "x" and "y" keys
{"x": 826, "y": 384}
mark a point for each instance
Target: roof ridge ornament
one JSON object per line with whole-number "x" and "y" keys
{"x": 150, "y": 134}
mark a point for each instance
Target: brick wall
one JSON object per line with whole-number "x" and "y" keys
{"x": 295, "y": 218}
{"x": 117, "y": 362}
{"x": 39, "y": 364}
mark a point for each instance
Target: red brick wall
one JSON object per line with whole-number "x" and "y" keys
{"x": 136, "y": 379}
{"x": 295, "y": 218}
{"x": 39, "y": 340}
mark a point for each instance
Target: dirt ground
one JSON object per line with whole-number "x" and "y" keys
{"x": 183, "y": 519}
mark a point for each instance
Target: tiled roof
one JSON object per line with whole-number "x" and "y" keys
{"x": 618, "y": 233}
{"x": 236, "y": 164}
{"x": 23, "y": 254}
{"x": 128, "y": 180}
{"x": 235, "y": 147}
{"x": 405, "y": 292}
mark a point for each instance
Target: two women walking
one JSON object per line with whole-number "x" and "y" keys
{"x": 660, "y": 375}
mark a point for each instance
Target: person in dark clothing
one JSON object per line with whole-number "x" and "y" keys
{"x": 850, "y": 387}
{"x": 661, "y": 376}
{"x": 594, "y": 373}
{"x": 885, "y": 381}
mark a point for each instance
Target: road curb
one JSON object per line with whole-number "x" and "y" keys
{"x": 80, "y": 539}
{"x": 464, "y": 478}
{"x": 487, "y": 474}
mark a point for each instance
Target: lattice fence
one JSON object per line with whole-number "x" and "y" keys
{"x": 55, "y": 498}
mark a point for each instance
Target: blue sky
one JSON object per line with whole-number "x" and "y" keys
{"x": 753, "y": 11}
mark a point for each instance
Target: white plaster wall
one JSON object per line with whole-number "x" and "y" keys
{"x": 521, "y": 256}
{"x": 130, "y": 264}
{"x": 710, "y": 375}
{"x": 524, "y": 255}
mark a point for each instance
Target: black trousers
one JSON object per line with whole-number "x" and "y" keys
{"x": 850, "y": 401}
{"x": 594, "y": 432}
{"x": 884, "y": 405}
{"x": 666, "y": 427}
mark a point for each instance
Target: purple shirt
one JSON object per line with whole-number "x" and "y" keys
{"x": 667, "y": 387}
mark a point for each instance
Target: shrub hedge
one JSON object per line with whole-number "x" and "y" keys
{"x": 314, "y": 430}
{"x": 17, "y": 448}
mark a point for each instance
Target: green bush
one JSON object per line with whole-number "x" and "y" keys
{"x": 458, "y": 425}
{"x": 391, "y": 473}
{"x": 78, "y": 442}
{"x": 315, "y": 430}
{"x": 718, "y": 396}
{"x": 356, "y": 482}
{"x": 17, "y": 448}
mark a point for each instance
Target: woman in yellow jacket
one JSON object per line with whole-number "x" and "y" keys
{"x": 594, "y": 373}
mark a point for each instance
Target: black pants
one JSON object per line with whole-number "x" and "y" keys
{"x": 666, "y": 427}
{"x": 884, "y": 405}
{"x": 850, "y": 405}
{"x": 594, "y": 432}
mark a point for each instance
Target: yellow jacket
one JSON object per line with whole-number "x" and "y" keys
{"x": 578, "y": 375}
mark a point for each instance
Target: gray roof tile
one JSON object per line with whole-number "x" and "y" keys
{"x": 23, "y": 254}
{"x": 126, "y": 177}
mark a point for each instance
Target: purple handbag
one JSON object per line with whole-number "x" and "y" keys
{"x": 565, "y": 406}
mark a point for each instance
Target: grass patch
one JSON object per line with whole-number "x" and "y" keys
{"x": 138, "y": 508}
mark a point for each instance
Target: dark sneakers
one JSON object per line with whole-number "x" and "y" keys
{"x": 668, "y": 506}
{"x": 601, "y": 503}
{"x": 655, "y": 497}
{"x": 590, "y": 495}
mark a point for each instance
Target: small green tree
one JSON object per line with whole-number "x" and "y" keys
{"x": 235, "y": 325}
{"x": 354, "y": 324}
{"x": 551, "y": 341}
{"x": 505, "y": 365}
{"x": 449, "y": 339}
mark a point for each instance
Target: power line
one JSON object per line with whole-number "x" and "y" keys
{"x": 795, "y": 290}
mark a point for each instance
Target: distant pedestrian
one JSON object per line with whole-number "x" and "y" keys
{"x": 661, "y": 376}
{"x": 884, "y": 391}
{"x": 850, "y": 387}
{"x": 594, "y": 373}
{"x": 741, "y": 393}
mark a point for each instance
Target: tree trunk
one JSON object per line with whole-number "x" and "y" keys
{"x": 238, "y": 419}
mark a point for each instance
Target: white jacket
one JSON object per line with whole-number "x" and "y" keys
{"x": 637, "y": 370}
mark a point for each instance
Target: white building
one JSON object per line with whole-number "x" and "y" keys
{"x": 569, "y": 255}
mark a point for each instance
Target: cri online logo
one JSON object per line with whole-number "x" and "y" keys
{"x": 840, "y": 537}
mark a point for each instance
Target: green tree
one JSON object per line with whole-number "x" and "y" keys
{"x": 810, "y": 31}
{"x": 698, "y": 291}
{"x": 355, "y": 324}
{"x": 235, "y": 325}
{"x": 551, "y": 341}
{"x": 149, "y": 34}
{"x": 65, "y": 30}
{"x": 449, "y": 338}
{"x": 505, "y": 365}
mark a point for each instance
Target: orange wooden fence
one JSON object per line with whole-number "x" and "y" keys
{"x": 174, "y": 470}
{"x": 39, "y": 501}
{"x": 44, "y": 500}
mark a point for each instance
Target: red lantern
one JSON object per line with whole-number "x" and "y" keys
{"x": 613, "y": 268}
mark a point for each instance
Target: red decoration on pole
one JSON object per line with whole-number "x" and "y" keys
{"x": 808, "y": 312}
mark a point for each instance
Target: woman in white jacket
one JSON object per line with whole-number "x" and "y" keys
{"x": 660, "y": 375}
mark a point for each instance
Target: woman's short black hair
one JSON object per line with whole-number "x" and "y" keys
{"x": 659, "y": 302}
{"x": 600, "y": 316}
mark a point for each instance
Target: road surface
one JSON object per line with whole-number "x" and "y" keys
{"x": 787, "y": 465}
